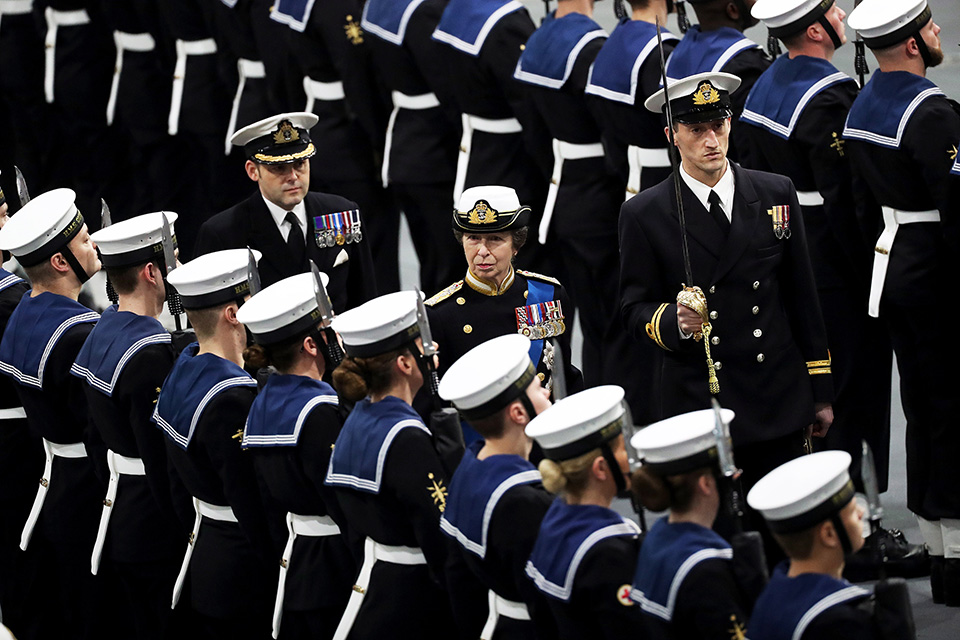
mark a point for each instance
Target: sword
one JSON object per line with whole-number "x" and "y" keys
{"x": 334, "y": 354}
{"x": 426, "y": 337}
{"x": 22, "y": 192}
{"x": 104, "y": 223}
{"x": 558, "y": 375}
{"x": 174, "y": 303}
{"x": 253, "y": 274}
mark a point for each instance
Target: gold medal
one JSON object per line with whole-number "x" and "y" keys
{"x": 340, "y": 239}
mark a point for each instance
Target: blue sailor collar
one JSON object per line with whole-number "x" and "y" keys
{"x": 700, "y": 52}
{"x": 293, "y": 13}
{"x": 388, "y": 19}
{"x": 465, "y": 24}
{"x": 475, "y": 490}
{"x": 32, "y": 332}
{"x": 782, "y": 92}
{"x": 955, "y": 169}
{"x": 281, "y": 408}
{"x": 194, "y": 382}
{"x": 552, "y": 50}
{"x": 881, "y": 112}
{"x": 788, "y": 605}
{"x": 8, "y": 279}
{"x": 112, "y": 343}
{"x": 614, "y": 73}
{"x": 670, "y": 551}
{"x": 361, "y": 450}
{"x": 567, "y": 534}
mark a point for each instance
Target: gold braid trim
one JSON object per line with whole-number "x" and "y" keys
{"x": 653, "y": 327}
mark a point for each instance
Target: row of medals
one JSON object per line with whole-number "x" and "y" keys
{"x": 546, "y": 329}
{"x": 330, "y": 237}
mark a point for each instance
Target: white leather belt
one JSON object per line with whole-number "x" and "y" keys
{"x": 402, "y": 101}
{"x": 203, "y": 510}
{"x": 249, "y": 69}
{"x": 50, "y": 450}
{"x": 185, "y": 48}
{"x": 55, "y": 20}
{"x": 15, "y": 7}
{"x": 118, "y": 465}
{"x": 373, "y": 552}
{"x": 637, "y": 159}
{"x": 297, "y": 525}
{"x": 892, "y": 219}
{"x": 497, "y": 607}
{"x": 471, "y": 123}
{"x": 13, "y": 413}
{"x": 563, "y": 151}
{"x": 125, "y": 42}
{"x": 323, "y": 91}
{"x": 810, "y": 198}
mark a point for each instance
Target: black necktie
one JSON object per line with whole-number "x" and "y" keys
{"x": 295, "y": 241}
{"x": 716, "y": 212}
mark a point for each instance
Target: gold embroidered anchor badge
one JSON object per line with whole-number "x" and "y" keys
{"x": 706, "y": 94}
{"x": 353, "y": 30}
{"x": 438, "y": 492}
{"x": 738, "y": 631}
{"x": 952, "y": 152}
{"x": 285, "y": 133}
{"x": 837, "y": 144}
{"x": 483, "y": 213}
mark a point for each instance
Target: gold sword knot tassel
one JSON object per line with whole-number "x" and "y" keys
{"x": 693, "y": 298}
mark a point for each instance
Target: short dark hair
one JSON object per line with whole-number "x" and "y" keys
{"x": 125, "y": 279}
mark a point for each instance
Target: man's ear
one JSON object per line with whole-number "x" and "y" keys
{"x": 59, "y": 263}
{"x": 230, "y": 313}
{"x": 310, "y": 346}
{"x": 516, "y": 413}
{"x": 827, "y": 535}
{"x": 733, "y": 11}
{"x": 253, "y": 171}
{"x": 151, "y": 273}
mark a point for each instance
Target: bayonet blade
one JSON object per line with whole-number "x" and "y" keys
{"x": 558, "y": 373}
{"x": 868, "y": 473}
{"x": 721, "y": 433}
{"x": 22, "y": 192}
{"x": 426, "y": 335}
{"x": 166, "y": 236}
{"x": 253, "y": 274}
{"x": 105, "y": 220}
{"x": 323, "y": 298}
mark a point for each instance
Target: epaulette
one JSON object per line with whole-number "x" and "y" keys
{"x": 539, "y": 276}
{"x": 444, "y": 294}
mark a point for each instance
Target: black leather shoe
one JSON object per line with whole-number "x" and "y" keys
{"x": 889, "y": 547}
{"x": 951, "y": 582}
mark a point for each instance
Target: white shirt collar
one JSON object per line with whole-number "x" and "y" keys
{"x": 725, "y": 188}
{"x": 279, "y": 217}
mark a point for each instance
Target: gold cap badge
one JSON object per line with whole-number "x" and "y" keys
{"x": 286, "y": 133}
{"x": 483, "y": 213}
{"x": 706, "y": 94}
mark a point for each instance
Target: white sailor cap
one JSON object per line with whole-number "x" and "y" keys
{"x": 43, "y": 227}
{"x": 134, "y": 241}
{"x": 489, "y": 208}
{"x": 380, "y": 325}
{"x": 884, "y": 23}
{"x": 787, "y": 17}
{"x": 803, "y": 492}
{"x": 703, "y": 97}
{"x": 489, "y": 377}
{"x": 283, "y": 310}
{"x": 579, "y": 423}
{"x": 681, "y": 443}
{"x": 213, "y": 278}
{"x": 278, "y": 139}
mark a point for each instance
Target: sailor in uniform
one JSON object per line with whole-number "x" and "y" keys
{"x": 420, "y": 152}
{"x": 767, "y": 343}
{"x": 389, "y": 478}
{"x": 202, "y": 409}
{"x": 718, "y": 44}
{"x": 290, "y": 432}
{"x": 585, "y": 553}
{"x": 290, "y": 225}
{"x": 901, "y": 135}
{"x": 686, "y": 581}
{"x": 810, "y": 507}
{"x": 124, "y": 362}
{"x": 494, "y": 299}
{"x": 496, "y": 499}
{"x": 43, "y": 336}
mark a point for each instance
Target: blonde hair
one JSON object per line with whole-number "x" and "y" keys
{"x": 568, "y": 476}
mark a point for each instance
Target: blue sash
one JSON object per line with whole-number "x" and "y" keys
{"x": 293, "y": 13}
{"x": 782, "y": 92}
{"x": 465, "y": 24}
{"x": 537, "y": 292}
{"x": 700, "y": 52}
{"x": 552, "y": 50}
{"x": 669, "y": 553}
{"x": 614, "y": 73}
{"x": 32, "y": 332}
{"x": 281, "y": 408}
{"x": 364, "y": 442}
{"x": 567, "y": 533}
{"x": 475, "y": 489}
{"x": 192, "y": 384}
{"x": 881, "y": 112}
{"x": 8, "y": 279}
{"x": 387, "y": 19}
{"x": 787, "y": 605}
{"x": 112, "y": 343}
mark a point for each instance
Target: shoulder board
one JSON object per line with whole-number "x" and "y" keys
{"x": 539, "y": 276}
{"x": 446, "y": 293}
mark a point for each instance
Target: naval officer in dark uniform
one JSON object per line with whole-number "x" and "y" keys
{"x": 497, "y": 499}
{"x": 290, "y": 433}
{"x": 901, "y": 135}
{"x": 290, "y": 225}
{"x": 202, "y": 409}
{"x": 767, "y": 340}
{"x": 124, "y": 362}
{"x": 41, "y": 341}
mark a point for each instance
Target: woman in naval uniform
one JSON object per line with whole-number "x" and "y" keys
{"x": 685, "y": 579}
{"x": 585, "y": 553}
{"x": 388, "y": 477}
{"x": 290, "y": 432}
